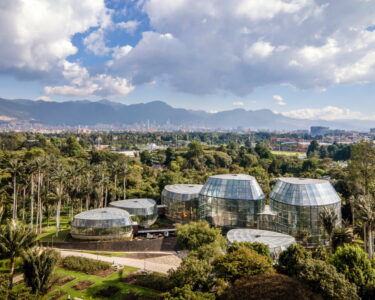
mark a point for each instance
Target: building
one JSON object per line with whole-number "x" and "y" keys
{"x": 298, "y": 203}
{"x": 181, "y": 201}
{"x": 277, "y": 242}
{"x": 231, "y": 200}
{"x": 319, "y": 130}
{"x": 102, "y": 224}
{"x": 144, "y": 211}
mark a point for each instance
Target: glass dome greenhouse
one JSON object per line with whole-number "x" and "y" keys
{"x": 298, "y": 203}
{"x": 145, "y": 210}
{"x": 231, "y": 200}
{"x": 181, "y": 201}
{"x": 102, "y": 223}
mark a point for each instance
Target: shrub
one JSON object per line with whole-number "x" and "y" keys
{"x": 259, "y": 248}
{"x": 196, "y": 234}
{"x": 83, "y": 264}
{"x": 353, "y": 262}
{"x": 241, "y": 263}
{"x": 291, "y": 258}
{"x": 186, "y": 293}
{"x": 269, "y": 287}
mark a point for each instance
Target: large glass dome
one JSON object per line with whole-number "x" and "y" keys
{"x": 102, "y": 223}
{"x": 298, "y": 203}
{"x": 144, "y": 209}
{"x": 231, "y": 200}
{"x": 181, "y": 201}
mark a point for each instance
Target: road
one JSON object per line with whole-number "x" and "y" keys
{"x": 123, "y": 261}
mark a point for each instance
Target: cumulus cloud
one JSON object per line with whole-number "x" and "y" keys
{"x": 36, "y": 34}
{"x": 129, "y": 26}
{"x": 82, "y": 84}
{"x": 279, "y": 99}
{"x": 238, "y": 45}
{"x": 326, "y": 113}
{"x": 238, "y": 103}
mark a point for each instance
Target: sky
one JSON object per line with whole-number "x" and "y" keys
{"x": 303, "y": 58}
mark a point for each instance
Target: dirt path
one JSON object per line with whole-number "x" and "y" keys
{"x": 162, "y": 262}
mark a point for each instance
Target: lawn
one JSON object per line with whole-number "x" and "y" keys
{"x": 99, "y": 284}
{"x": 104, "y": 253}
{"x": 289, "y": 153}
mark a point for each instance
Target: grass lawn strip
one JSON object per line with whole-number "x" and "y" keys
{"x": 99, "y": 284}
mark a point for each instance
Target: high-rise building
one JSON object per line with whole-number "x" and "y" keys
{"x": 319, "y": 130}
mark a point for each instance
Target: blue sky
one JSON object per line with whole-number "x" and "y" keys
{"x": 304, "y": 58}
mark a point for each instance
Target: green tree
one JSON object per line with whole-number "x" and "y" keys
{"x": 312, "y": 150}
{"x": 329, "y": 218}
{"x": 186, "y": 293}
{"x": 241, "y": 263}
{"x": 38, "y": 267}
{"x": 15, "y": 238}
{"x": 72, "y": 148}
{"x": 196, "y": 234}
{"x": 291, "y": 258}
{"x": 353, "y": 262}
{"x": 259, "y": 248}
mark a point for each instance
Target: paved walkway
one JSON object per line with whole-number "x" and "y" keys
{"x": 123, "y": 261}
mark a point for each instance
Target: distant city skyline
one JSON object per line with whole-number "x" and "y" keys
{"x": 312, "y": 59}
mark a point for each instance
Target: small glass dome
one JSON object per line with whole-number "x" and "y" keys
{"x": 144, "y": 209}
{"x": 101, "y": 223}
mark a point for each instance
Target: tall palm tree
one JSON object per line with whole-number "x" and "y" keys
{"x": 59, "y": 177}
{"x": 38, "y": 267}
{"x": 329, "y": 218}
{"x": 14, "y": 166}
{"x": 365, "y": 212}
{"x": 15, "y": 238}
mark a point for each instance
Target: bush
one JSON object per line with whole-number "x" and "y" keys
{"x": 83, "y": 264}
{"x": 186, "y": 293}
{"x": 353, "y": 262}
{"x": 259, "y": 248}
{"x": 243, "y": 262}
{"x": 196, "y": 234}
{"x": 269, "y": 287}
{"x": 291, "y": 258}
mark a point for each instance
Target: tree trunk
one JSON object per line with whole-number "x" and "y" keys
{"x": 32, "y": 202}
{"x": 11, "y": 272}
{"x": 23, "y": 203}
{"x": 370, "y": 243}
{"x": 87, "y": 202}
{"x": 14, "y": 197}
{"x": 106, "y": 196}
{"x": 124, "y": 186}
{"x": 115, "y": 187}
{"x": 58, "y": 208}
{"x": 365, "y": 238}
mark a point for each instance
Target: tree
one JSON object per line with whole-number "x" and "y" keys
{"x": 313, "y": 149}
{"x": 14, "y": 166}
{"x": 342, "y": 236}
{"x": 186, "y": 293}
{"x": 241, "y": 263}
{"x": 291, "y": 258}
{"x": 353, "y": 262}
{"x": 329, "y": 218}
{"x": 38, "y": 267}
{"x": 59, "y": 177}
{"x": 15, "y": 238}
{"x": 196, "y": 234}
{"x": 72, "y": 148}
{"x": 259, "y": 248}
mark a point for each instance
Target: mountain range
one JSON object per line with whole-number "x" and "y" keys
{"x": 90, "y": 113}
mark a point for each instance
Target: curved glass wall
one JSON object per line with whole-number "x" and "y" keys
{"x": 102, "y": 223}
{"x": 181, "y": 201}
{"x": 231, "y": 200}
{"x": 145, "y": 210}
{"x": 298, "y": 204}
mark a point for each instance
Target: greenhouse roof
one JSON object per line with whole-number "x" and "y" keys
{"x": 134, "y": 203}
{"x": 232, "y": 186}
{"x": 275, "y": 240}
{"x": 107, "y": 213}
{"x": 304, "y": 192}
{"x": 184, "y": 188}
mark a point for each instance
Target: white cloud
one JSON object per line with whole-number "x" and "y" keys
{"x": 326, "y": 113}
{"x": 43, "y": 98}
{"x": 129, "y": 26}
{"x": 239, "y": 45}
{"x": 82, "y": 84}
{"x": 95, "y": 42}
{"x": 279, "y": 99}
{"x": 36, "y": 34}
{"x": 238, "y": 103}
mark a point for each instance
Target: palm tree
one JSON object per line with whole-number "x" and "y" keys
{"x": 365, "y": 212}
{"x": 329, "y": 218}
{"x": 13, "y": 166}
{"x": 15, "y": 238}
{"x": 59, "y": 176}
{"x": 342, "y": 236}
{"x": 38, "y": 267}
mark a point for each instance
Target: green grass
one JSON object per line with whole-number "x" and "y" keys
{"x": 289, "y": 153}
{"x": 4, "y": 265}
{"x": 50, "y": 236}
{"x": 104, "y": 253}
{"x": 99, "y": 283}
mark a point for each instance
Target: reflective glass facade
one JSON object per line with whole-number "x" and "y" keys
{"x": 231, "y": 200}
{"x": 102, "y": 223}
{"x": 181, "y": 201}
{"x": 144, "y": 209}
{"x": 298, "y": 203}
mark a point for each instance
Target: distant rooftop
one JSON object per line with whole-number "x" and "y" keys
{"x": 234, "y": 177}
{"x": 184, "y": 188}
{"x": 107, "y": 213}
{"x": 295, "y": 180}
{"x": 275, "y": 240}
